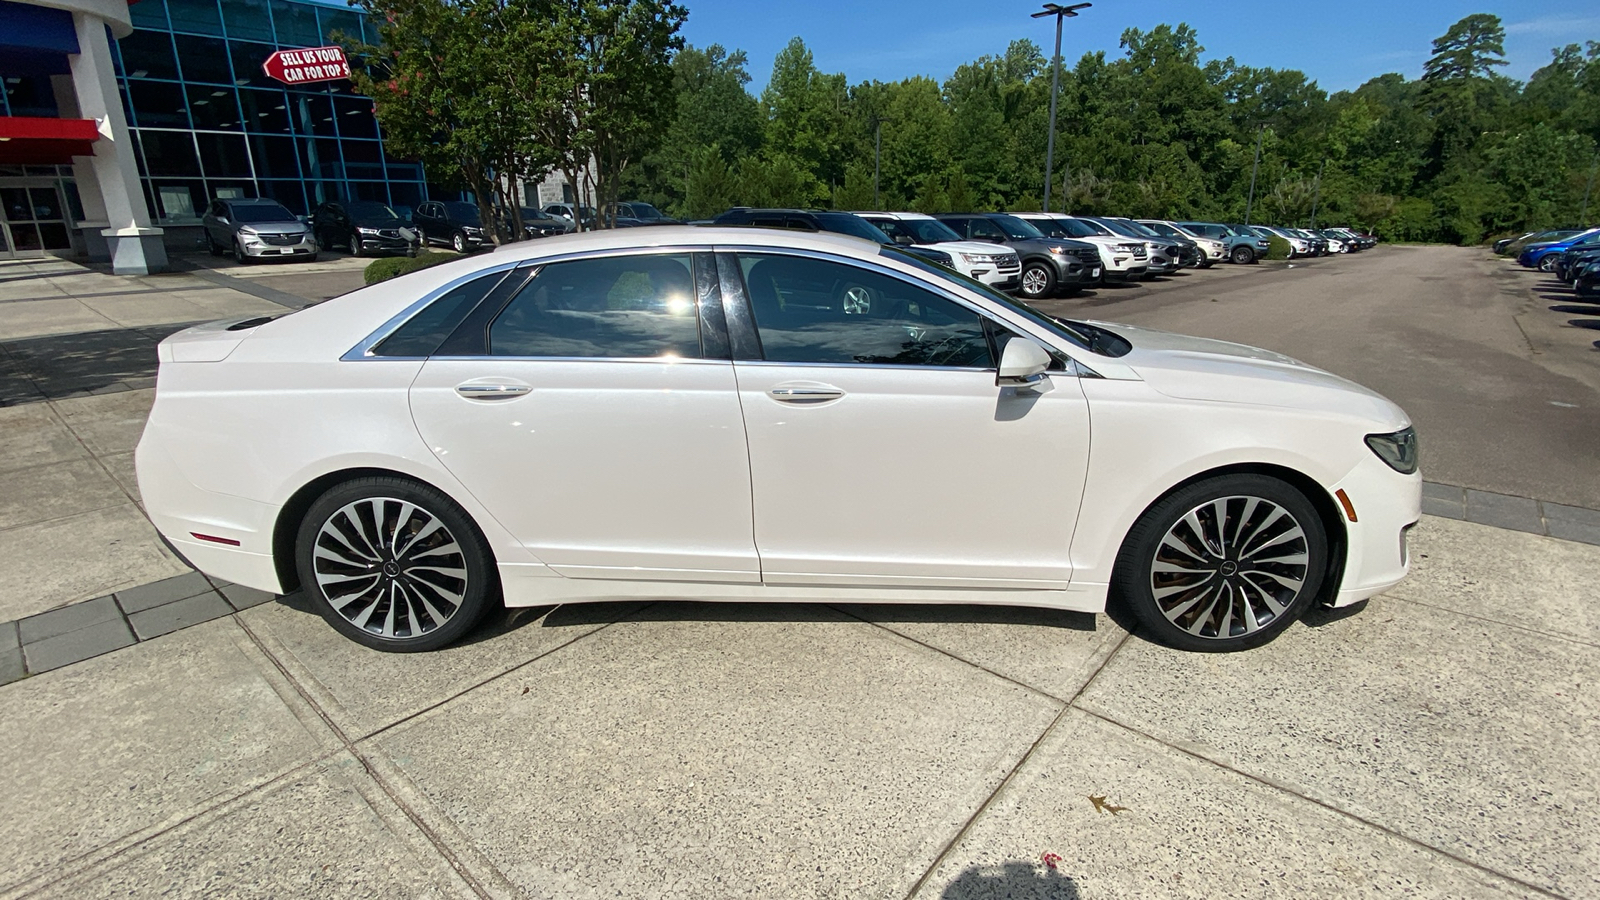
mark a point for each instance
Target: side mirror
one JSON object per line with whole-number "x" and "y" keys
{"x": 223, "y": 220}
{"x": 904, "y": 240}
{"x": 1022, "y": 365}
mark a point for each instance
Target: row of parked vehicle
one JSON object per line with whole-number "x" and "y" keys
{"x": 1051, "y": 254}
{"x": 1572, "y": 255}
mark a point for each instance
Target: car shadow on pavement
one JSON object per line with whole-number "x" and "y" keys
{"x": 88, "y": 362}
{"x": 1016, "y": 878}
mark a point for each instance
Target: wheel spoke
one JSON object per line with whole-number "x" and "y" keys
{"x": 390, "y": 567}
{"x": 1229, "y": 567}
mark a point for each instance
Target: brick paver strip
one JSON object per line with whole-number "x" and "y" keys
{"x": 76, "y": 646}
{"x": 1504, "y": 511}
{"x": 243, "y": 597}
{"x": 1444, "y": 509}
{"x": 1448, "y": 492}
{"x": 11, "y": 668}
{"x": 1554, "y": 512}
{"x": 1574, "y": 531}
{"x": 68, "y": 619}
{"x": 169, "y": 590}
{"x": 181, "y": 614}
{"x": 8, "y": 637}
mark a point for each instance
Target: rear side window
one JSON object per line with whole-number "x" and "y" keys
{"x": 619, "y": 307}
{"x": 422, "y": 334}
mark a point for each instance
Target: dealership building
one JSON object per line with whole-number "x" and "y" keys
{"x": 120, "y": 122}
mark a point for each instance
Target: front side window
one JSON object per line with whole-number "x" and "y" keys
{"x": 817, "y": 311}
{"x": 984, "y": 230}
{"x": 619, "y": 307}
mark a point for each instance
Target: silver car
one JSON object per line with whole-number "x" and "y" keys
{"x": 256, "y": 229}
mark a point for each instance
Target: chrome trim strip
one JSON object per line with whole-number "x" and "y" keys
{"x": 363, "y": 350}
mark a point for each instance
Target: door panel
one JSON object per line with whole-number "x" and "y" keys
{"x": 881, "y": 451}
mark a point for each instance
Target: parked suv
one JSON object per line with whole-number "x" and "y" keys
{"x": 572, "y": 212}
{"x": 980, "y": 261}
{"x": 364, "y": 226}
{"x": 1212, "y": 250}
{"x": 822, "y": 220}
{"x": 1167, "y": 255}
{"x": 1049, "y": 265}
{"x": 256, "y": 229}
{"x": 455, "y": 223}
{"x": 637, "y": 212}
{"x": 1237, "y": 247}
{"x": 1121, "y": 259}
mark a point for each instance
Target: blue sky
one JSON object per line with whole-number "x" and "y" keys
{"x": 1338, "y": 43}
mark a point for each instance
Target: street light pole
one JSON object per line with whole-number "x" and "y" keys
{"x": 1248, "y": 203}
{"x": 1060, "y": 12}
{"x": 1316, "y": 195}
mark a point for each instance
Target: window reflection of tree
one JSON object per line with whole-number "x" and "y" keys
{"x": 621, "y": 307}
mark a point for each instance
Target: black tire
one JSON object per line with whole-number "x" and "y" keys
{"x": 1547, "y": 263}
{"x": 239, "y": 256}
{"x": 1201, "y": 592}
{"x": 355, "y": 245}
{"x": 1242, "y": 255}
{"x": 212, "y": 246}
{"x": 458, "y": 243}
{"x": 440, "y": 607}
{"x": 1043, "y": 283}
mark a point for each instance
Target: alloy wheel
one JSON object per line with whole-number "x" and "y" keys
{"x": 1230, "y": 567}
{"x": 1035, "y": 281}
{"x": 390, "y": 567}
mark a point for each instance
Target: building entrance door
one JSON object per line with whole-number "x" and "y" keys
{"x": 33, "y": 220}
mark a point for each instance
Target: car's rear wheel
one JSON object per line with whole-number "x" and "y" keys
{"x": 1038, "y": 281}
{"x": 1224, "y": 564}
{"x": 1243, "y": 255}
{"x": 394, "y": 565}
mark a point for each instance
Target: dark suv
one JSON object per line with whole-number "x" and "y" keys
{"x": 822, "y": 220}
{"x": 366, "y": 227}
{"x": 1049, "y": 265}
{"x": 452, "y": 222}
{"x": 637, "y": 212}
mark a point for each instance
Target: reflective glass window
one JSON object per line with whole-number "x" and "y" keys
{"x": 247, "y": 60}
{"x": 404, "y": 197}
{"x": 148, "y": 54}
{"x": 178, "y": 201}
{"x": 275, "y": 157}
{"x": 290, "y": 193}
{"x": 31, "y": 95}
{"x": 213, "y": 107}
{"x": 338, "y": 20}
{"x": 223, "y": 155}
{"x": 203, "y": 59}
{"x": 169, "y": 152}
{"x": 198, "y": 16}
{"x": 816, "y": 311}
{"x": 159, "y": 104}
{"x": 247, "y": 19}
{"x": 321, "y": 159}
{"x": 424, "y": 332}
{"x": 312, "y": 113}
{"x": 264, "y": 111}
{"x": 148, "y": 14}
{"x": 296, "y": 24}
{"x": 355, "y": 117}
{"x": 376, "y": 191}
{"x": 362, "y": 159}
{"x": 616, "y": 307}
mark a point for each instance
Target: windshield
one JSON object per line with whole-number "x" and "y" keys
{"x": 368, "y": 210}
{"x": 1120, "y": 227}
{"x": 1077, "y": 337}
{"x": 855, "y": 226}
{"x": 1210, "y": 231}
{"x": 645, "y": 211}
{"x": 262, "y": 212}
{"x": 1051, "y": 227}
{"x": 465, "y": 212}
{"x": 1161, "y": 228}
{"x": 921, "y": 231}
{"x": 1142, "y": 231}
{"x": 1016, "y": 229}
{"x": 1086, "y": 228}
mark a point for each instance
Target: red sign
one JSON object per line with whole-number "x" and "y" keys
{"x": 311, "y": 64}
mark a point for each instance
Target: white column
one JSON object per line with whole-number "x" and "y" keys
{"x": 135, "y": 246}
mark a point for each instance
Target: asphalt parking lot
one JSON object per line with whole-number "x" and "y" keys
{"x": 1439, "y": 742}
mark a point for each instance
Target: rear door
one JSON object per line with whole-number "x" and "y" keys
{"x": 594, "y": 413}
{"x": 881, "y": 451}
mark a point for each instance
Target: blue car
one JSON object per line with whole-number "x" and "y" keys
{"x": 1543, "y": 255}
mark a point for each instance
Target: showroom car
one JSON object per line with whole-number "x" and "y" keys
{"x": 250, "y": 229}
{"x": 747, "y": 414}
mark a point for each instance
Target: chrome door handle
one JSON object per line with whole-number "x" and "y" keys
{"x": 805, "y": 395}
{"x": 492, "y": 391}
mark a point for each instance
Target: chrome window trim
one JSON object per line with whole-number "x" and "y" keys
{"x": 363, "y": 350}
{"x": 666, "y": 360}
{"x": 872, "y": 366}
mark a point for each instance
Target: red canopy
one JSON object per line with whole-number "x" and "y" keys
{"x": 25, "y": 140}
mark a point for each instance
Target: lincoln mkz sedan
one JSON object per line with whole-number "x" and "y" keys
{"x": 745, "y": 414}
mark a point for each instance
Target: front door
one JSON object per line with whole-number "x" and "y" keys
{"x": 881, "y": 451}
{"x": 596, "y": 417}
{"x": 33, "y": 221}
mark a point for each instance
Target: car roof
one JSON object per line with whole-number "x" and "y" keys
{"x": 250, "y": 201}
{"x": 900, "y": 216}
{"x": 669, "y": 236}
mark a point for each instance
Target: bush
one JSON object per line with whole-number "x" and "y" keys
{"x": 395, "y": 266}
{"x": 1277, "y": 248}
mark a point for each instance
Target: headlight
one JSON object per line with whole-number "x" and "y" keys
{"x": 247, "y": 230}
{"x": 470, "y": 229}
{"x": 366, "y": 231}
{"x": 977, "y": 259}
{"x": 1399, "y": 449}
{"x": 1058, "y": 249}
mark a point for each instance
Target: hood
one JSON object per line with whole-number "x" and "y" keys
{"x": 1192, "y": 368}
{"x": 287, "y": 226}
{"x": 986, "y": 249}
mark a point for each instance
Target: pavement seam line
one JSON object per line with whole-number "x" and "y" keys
{"x": 427, "y": 831}
{"x": 1523, "y": 628}
{"x": 1283, "y": 788}
{"x": 994, "y": 795}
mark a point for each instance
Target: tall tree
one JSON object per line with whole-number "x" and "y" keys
{"x": 1471, "y": 48}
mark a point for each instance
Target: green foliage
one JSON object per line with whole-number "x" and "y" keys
{"x": 1277, "y": 248}
{"x": 395, "y": 266}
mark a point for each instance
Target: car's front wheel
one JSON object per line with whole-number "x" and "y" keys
{"x": 459, "y": 243}
{"x": 394, "y": 565}
{"x": 1243, "y": 255}
{"x": 1223, "y": 564}
{"x": 239, "y": 256}
{"x": 1548, "y": 263}
{"x": 1038, "y": 281}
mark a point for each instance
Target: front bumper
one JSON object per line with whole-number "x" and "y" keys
{"x": 1387, "y": 505}
{"x": 263, "y": 248}
{"x": 371, "y": 243}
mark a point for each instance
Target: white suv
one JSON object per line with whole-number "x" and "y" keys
{"x": 998, "y": 267}
{"x": 1212, "y": 251}
{"x": 1123, "y": 259}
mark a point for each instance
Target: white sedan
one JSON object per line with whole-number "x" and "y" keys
{"x": 744, "y": 414}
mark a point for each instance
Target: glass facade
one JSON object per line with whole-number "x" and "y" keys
{"x": 207, "y": 121}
